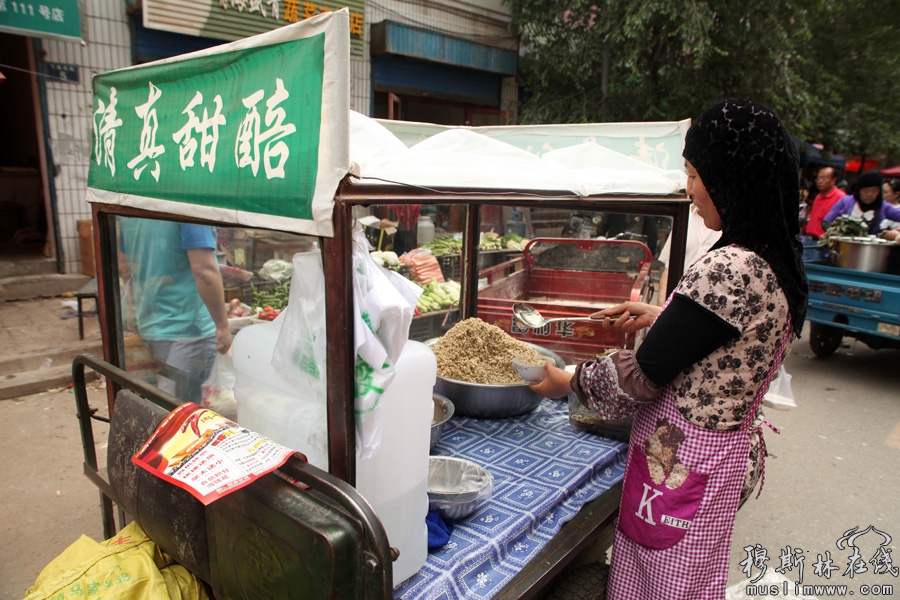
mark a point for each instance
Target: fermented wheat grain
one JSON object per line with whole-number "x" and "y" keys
{"x": 479, "y": 352}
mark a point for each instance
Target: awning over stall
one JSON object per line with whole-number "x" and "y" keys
{"x": 855, "y": 164}
{"x": 891, "y": 171}
{"x": 586, "y": 159}
{"x": 259, "y": 133}
{"x": 812, "y": 155}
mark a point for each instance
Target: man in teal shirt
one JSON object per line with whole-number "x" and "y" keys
{"x": 179, "y": 298}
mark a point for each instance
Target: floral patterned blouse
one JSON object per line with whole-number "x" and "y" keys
{"x": 717, "y": 391}
{"x": 740, "y": 287}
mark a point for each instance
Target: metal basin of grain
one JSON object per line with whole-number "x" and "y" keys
{"x": 492, "y": 401}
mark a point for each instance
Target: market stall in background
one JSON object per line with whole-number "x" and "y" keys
{"x": 854, "y": 288}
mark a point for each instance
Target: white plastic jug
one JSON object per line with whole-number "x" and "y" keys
{"x": 424, "y": 230}
{"x": 269, "y": 405}
{"x": 395, "y": 479}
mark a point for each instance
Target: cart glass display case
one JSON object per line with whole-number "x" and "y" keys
{"x": 159, "y": 284}
{"x": 563, "y": 262}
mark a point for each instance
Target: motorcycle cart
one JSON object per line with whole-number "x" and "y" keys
{"x": 307, "y": 531}
{"x": 851, "y": 303}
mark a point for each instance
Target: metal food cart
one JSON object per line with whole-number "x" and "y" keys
{"x": 307, "y": 532}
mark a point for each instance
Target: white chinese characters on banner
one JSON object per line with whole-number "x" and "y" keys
{"x": 250, "y": 136}
{"x": 208, "y": 128}
{"x": 150, "y": 150}
{"x": 259, "y": 137}
{"x": 105, "y": 132}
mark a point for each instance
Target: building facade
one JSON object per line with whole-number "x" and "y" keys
{"x": 451, "y": 62}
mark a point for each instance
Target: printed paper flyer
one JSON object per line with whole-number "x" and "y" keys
{"x": 207, "y": 454}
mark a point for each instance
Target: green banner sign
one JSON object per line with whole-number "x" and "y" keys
{"x": 46, "y": 18}
{"x": 238, "y": 129}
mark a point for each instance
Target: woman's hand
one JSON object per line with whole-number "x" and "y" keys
{"x": 555, "y": 385}
{"x": 891, "y": 234}
{"x": 644, "y": 315}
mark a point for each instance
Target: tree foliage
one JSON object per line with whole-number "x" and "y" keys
{"x": 827, "y": 67}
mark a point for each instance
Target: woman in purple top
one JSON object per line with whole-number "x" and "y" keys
{"x": 867, "y": 203}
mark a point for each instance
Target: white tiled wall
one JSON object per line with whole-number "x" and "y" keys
{"x": 107, "y": 46}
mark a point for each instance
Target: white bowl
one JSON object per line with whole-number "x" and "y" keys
{"x": 528, "y": 372}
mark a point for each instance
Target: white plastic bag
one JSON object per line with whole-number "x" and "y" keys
{"x": 383, "y": 305}
{"x": 217, "y": 392}
{"x": 780, "y": 394}
{"x": 299, "y": 355}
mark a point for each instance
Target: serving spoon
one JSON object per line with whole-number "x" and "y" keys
{"x": 532, "y": 318}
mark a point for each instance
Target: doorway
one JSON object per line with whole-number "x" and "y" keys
{"x": 23, "y": 214}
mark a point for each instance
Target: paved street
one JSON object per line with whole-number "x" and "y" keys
{"x": 836, "y": 468}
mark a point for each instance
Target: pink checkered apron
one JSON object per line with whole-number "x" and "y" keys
{"x": 675, "y": 544}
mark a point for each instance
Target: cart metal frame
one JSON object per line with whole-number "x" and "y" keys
{"x": 593, "y": 526}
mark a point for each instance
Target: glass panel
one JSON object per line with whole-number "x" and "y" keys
{"x": 423, "y": 243}
{"x": 187, "y": 290}
{"x": 565, "y": 263}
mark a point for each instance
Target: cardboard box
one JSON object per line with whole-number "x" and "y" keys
{"x": 86, "y": 247}
{"x": 379, "y": 232}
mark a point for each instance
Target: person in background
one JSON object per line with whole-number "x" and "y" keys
{"x": 179, "y": 298}
{"x": 696, "y": 384}
{"x": 700, "y": 238}
{"x": 828, "y": 195}
{"x": 890, "y": 190}
{"x": 867, "y": 203}
{"x": 842, "y": 185}
{"x": 890, "y": 229}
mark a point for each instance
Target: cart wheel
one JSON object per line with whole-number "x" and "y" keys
{"x": 587, "y": 582}
{"x": 824, "y": 339}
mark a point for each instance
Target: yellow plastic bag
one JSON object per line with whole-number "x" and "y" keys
{"x": 129, "y": 566}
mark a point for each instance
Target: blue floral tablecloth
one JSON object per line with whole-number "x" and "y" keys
{"x": 544, "y": 471}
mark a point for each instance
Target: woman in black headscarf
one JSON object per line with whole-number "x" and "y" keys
{"x": 866, "y": 203}
{"x": 695, "y": 385}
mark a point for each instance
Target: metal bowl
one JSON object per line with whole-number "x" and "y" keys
{"x": 457, "y": 486}
{"x": 860, "y": 253}
{"x": 492, "y": 401}
{"x": 443, "y": 410}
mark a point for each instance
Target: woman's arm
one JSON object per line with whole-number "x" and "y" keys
{"x": 889, "y": 211}
{"x": 617, "y": 385}
{"x": 891, "y": 234}
{"x": 840, "y": 208}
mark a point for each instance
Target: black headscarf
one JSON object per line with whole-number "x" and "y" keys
{"x": 870, "y": 179}
{"x": 749, "y": 165}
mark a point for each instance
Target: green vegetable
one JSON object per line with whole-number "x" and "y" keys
{"x": 844, "y": 226}
{"x": 438, "y": 296}
{"x": 277, "y": 297}
{"x": 444, "y": 245}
